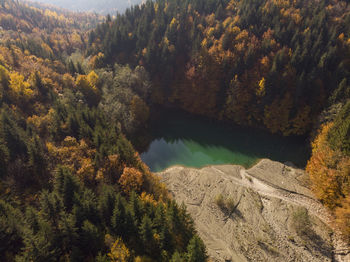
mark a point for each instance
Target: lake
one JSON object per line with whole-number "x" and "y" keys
{"x": 181, "y": 139}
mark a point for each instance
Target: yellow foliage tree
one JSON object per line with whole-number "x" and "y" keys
{"x": 143, "y": 259}
{"x": 87, "y": 85}
{"x": 131, "y": 180}
{"x": 68, "y": 80}
{"x": 20, "y": 90}
{"x": 261, "y": 89}
{"x": 173, "y": 22}
{"x": 92, "y": 78}
{"x": 41, "y": 123}
{"x": 111, "y": 170}
{"x": 119, "y": 252}
{"x": 82, "y": 82}
{"x": 97, "y": 60}
{"x": 75, "y": 155}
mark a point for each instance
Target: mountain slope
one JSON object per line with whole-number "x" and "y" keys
{"x": 269, "y": 64}
{"x": 102, "y": 6}
{"x": 72, "y": 186}
{"x": 277, "y": 65}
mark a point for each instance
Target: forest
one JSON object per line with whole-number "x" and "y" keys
{"x": 243, "y": 59}
{"x": 72, "y": 186}
{"x": 77, "y": 92}
{"x": 277, "y": 65}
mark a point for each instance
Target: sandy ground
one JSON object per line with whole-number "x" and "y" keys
{"x": 268, "y": 198}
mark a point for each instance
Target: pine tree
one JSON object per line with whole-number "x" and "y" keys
{"x": 37, "y": 159}
{"x": 4, "y": 158}
{"x": 106, "y": 206}
{"x": 91, "y": 239}
{"x": 65, "y": 185}
{"x": 12, "y": 135}
{"x": 71, "y": 67}
{"x": 146, "y": 234}
{"x": 118, "y": 220}
{"x": 50, "y": 206}
{"x": 79, "y": 69}
{"x": 38, "y": 83}
{"x": 339, "y": 134}
{"x": 177, "y": 257}
{"x": 165, "y": 239}
{"x": 10, "y": 230}
{"x": 69, "y": 235}
{"x": 135, "y": 208}
{"x": 196, "y": 250}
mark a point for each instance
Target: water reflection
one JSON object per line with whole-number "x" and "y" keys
{"x": 179, "y": 139}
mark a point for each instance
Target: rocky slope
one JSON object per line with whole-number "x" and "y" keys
{"x": 274, "y": 217}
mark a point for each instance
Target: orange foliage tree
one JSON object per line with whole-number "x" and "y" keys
{"x": 323, "y": 169}
{"x": 75, "y": 155}
{"x": 131, "y": 180}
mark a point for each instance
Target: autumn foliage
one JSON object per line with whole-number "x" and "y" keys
{"x": 119, "y": 252}
{"x": 329, "y": 171}
{"x": 268, "y": 64}
{"x": 72, "y": 186}
{"x": 131, "y": 180}
{"x": 76, "y": 91}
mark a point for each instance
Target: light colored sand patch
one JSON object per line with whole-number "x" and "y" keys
{"x": 261, "y": 228}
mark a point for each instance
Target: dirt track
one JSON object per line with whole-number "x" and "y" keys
{"x": 261, "y": 229}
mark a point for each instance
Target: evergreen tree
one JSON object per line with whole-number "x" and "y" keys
{"x": 196, "y": 250}
{"x": 10, "y": 230}
{"x": 339, "y": 135}
{"x": 106, "y": 206}
{"x": 91, "y": 239}
{"x": 118, "y": 220}
{"x": 65, "y": 186}
{"x": 71, "y": 67}
{"x": 177, "y": 257}
{"x": 135, "y": 208}
{"x": 146, "y": 234}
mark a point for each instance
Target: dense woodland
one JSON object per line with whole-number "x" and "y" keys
{"x": 72, "y": 187}
{"x": 277, "y": 65}
{"x": 77, "y": 91}
{"x": 271, "y": 64}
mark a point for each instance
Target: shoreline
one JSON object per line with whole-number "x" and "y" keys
{"x": 287, "y": 163}
{"x": 206, "y": 166}
{"x": 271, "y": 193}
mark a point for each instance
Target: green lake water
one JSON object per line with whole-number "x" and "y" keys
{"x": 180, "y": 139}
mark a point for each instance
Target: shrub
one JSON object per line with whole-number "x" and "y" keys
{"x": 227, "y": 205}
{"x": 301, "y": 222}
{"x": 219, "y": 201}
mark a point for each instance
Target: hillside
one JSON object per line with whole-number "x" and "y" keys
{"x": 102, "y": 7}
{"x": 78, "y": 92}
{"x": 282, "y": 66}
{"x": 269, "y": 64}
{"x": 72, "y": 187}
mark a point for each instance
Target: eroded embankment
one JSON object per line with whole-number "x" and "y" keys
{"x": 275, "y": 216}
